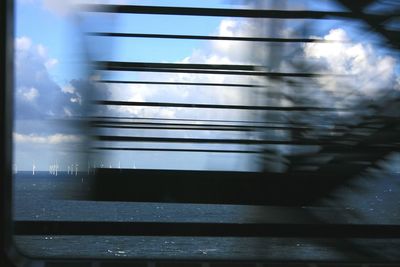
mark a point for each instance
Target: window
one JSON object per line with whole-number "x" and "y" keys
{"x": 205, "y": 133}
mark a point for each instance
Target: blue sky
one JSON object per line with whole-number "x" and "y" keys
{"x": 51, "y": 77}
{"x": 45, "y": 26}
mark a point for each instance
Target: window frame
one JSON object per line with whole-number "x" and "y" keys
{"x": 9, "y": 254}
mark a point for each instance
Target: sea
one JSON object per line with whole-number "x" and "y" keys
{"x": 66, "y": 197}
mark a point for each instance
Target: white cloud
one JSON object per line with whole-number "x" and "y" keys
{"x": 23, "y": 43}
{"x": 67, "y": 112}
{"x": 368, "y": 71}
{"x": 51, "y": 63}
{"x": 233, "y": 51}
{"x": 28, "y": 94}
{"x": 213, "y": 52}
{"x": 136, "y": 93}
{"x": 77, "y": 98}
{"x": 49, "y": 139}
{"x": 68, "y": 89}
{"x": 38, "y": 93}
{"x": 41, "y": 50}
{"x": 25, "y": 48}
{"x": 57, "y": 7}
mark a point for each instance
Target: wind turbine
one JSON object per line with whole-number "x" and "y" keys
{"x": 33, "y": 168}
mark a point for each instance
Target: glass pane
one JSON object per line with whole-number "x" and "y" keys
{"x": 205, "y": 118}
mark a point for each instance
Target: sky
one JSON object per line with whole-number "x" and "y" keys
{"x": 50, "y": 67}
{"x": 52, "y": 78}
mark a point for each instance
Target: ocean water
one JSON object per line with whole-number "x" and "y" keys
{"x": 374, "y": 199}
{"x": 43, "y": 185}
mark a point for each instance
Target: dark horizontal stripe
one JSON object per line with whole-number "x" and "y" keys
{"x": 334, "y": 145}
{"x": 186, "y": 66}
{"x": 205, "y": 229}
{"x": 219, "y": 72}
{"x": 201, "y": 69}
{"x": 218, "y": 38}
{"x": 297, "y": 188}
{"x": 186, "y": 140}
{"x": 209, "y": 125}
{"x": 104, "y": 123}
{"x": 114, "y": 138}
{"x": 183, "y": 83}
{"x": 211, "y": 106}
{"x": 178, "y": 150}
{"x": 365, "y": 153}
{"x": 175, "y": 128}
{"x": 113, "y": 118}
{"x": 220, "y": 12}
{"x": 177, "y": 119}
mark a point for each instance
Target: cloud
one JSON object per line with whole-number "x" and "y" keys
{"x": 54, "y": 139}
{"x": 23, "y": 43}
{"x": 31, "y": 72}
{"x": 369, "y": 71}
{"x": 58, "y": 7}
{"x": 38, "y": 95}
{"x": 68, "y": 89}
{"x": 28, "y": 94}
{"x": 51, "y": 99}
{"x": 213, "y": 52}
{"x": 234, "y": 51}
{"x": 67, "y": 112}
{"x": 51, "y": 63}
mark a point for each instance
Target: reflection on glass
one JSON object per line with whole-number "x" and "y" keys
{"x": 290, "y": 115}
